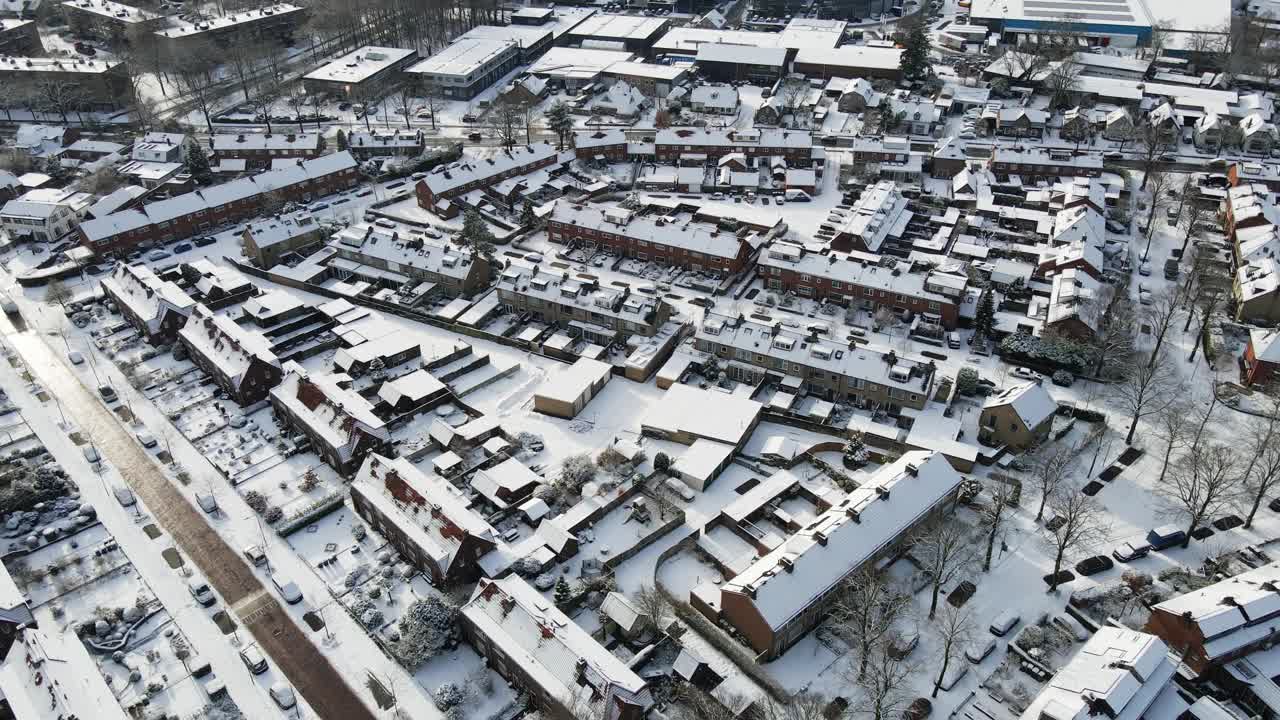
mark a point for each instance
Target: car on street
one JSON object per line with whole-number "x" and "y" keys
{"x": 108, "y": 393}
{"x": 1027, "y": 374}
{"x": 980, "y": 648}
{"x": 1094, "y": 565}
{"x": 255, "y": 555}
{"x": 204, "y": 241}
{"x": 1113, "y": 155}
{"x": 1144, "y": 269}
{"x": 287, "y": 588}
{"x": 75, "y": 357}
{"x": 254, "y": 660}
{"x": 146, "y": 439}
{"x": 182, "y": 247}
{"x": 158, "y": 255}
{"x": 283, "y": 696}
{"x": 200, "y": 590}
{"x": 1130, "y": 551}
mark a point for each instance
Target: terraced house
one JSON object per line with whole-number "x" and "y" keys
{"x": 239, "y": 360}
{"x": 857, "y": 373}
{"x": 599, "y": 314}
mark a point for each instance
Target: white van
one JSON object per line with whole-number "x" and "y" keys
{"x": 287, "y": 588}
{"x": 953, "y": 340}
{"x": 1004, "y": 622}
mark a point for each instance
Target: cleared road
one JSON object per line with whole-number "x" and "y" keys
{"x": 256, "y": 609}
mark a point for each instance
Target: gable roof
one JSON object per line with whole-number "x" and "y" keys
{"x": 1031, "y": 401}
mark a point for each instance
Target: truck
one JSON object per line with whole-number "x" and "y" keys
{"x": 1165, "y": 536}
{"x": 1171, "y": 269}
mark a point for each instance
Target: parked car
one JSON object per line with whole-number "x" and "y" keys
{"x": 158, "y": 255}
{"x": 204, "y": 241}
{"x": 1144, "y": 269}
{"x": 287, "y": 588}
{"x": 255, "y": 555}
{"x": 283, "y": 696}
{"x": 954, "y": 674}
{"x": 1228, "y": 522}
{"x": 1165, "y": 536}
{"x": 108, "y": 393}
{"x": 961, "y": 594}
{"x": 980, "y": 648}
{"x": 1004, "y": 622}
{"x": 91, "y": 455}
{"x": 1027, "y": 374}
{"x": 919, "y": 709}
{"x": 75, "y": 357}
{"x": 1094, "y": 565}
{"x": 1131, "y": 551}
{"x": 253, "y": 659}
{"x": 200, "y": 590}
{"x": 181, "y": 248}
{"x": 146, "y": 439}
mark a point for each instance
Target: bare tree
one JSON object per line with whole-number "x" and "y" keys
{"x": 1203, "y": 484}
{"x": 691, "y": 703}
{"x": 195, "y": 79}
{"x": 1148, "y": 389}
{"x": 1160, "y": 183}
{"x": 1173, "y": 427}
{"x": 1160, "y": 314}
{"x": 432, "y": 102}
{"x": 1153, "y": 141}
{"x": 1026, "y": 64}
{"x": 953, "y": 630}
{"x": 945, "y": 551}
{"x": 1061, "y": 81}
{"x": 1193, "y": 217}
{"x": 1078, "y": 522}
{"x": 885, "y": 686}
{"x": 506, "y": 121}
{"x": 242, "y": 57}
{"x": 650, "y": 601}
{"x": 801, "y": 706}
{"x": 993, "y": 511}
{"x": 57, "y": 292}
{"x": 1261, "y": 443}
{"x": 865, "y": 611}
{"x": 264, "y": 101}
{"x": 59, "y": 96}
{"x": 403, "y": 96}
{"x": 1112, "y": 344}
{"x": 1207, "y": 302}
{"x": 1047, "y": 470}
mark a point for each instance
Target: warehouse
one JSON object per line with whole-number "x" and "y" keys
{"x": 569, "y": 391}
{"x": 574, "y": 68}
{"x": 850, "y": 61}
{"x": 533, "y": 40}
{"x": 467, "y": 67}
{"x": 1116, "y": 23}
{"x": 738, "y": 63}
{"x": 636, "y": 33}
{"x": 362, "y": 73}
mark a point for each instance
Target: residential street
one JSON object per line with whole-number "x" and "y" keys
{"x": 254, "y": 606}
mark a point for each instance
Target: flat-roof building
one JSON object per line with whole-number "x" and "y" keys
{"x": 568, "y": 391}
{"x": 652, "y": 80}
{"x": 850, "y": 61}
{"x": 573, "y": 68}
{"x": 272, "y": 23}
{"x": 20, "y": 37}
{"x": 532, "y": 39}
{"x": 467, "y": 68}
{"x": 637, "y": 33}
{"x": 360, "y": 73}
{"x": 1119, "y": 23}
{"x": 108, "y": 19}
{"x": 101, "y": 84}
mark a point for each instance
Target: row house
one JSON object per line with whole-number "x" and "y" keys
{"x": 338, "y": 421}
{"x": 259, "y": 150}
{"x": 830, "y": 369}
{"x": 1021, "y": 122}
{"x": 239, "y": 360}
{"x": 450, "y": 181}
{"x": 192, "y": 213}
{"x": 44, "y": 214}
{"x": 395, "y": 259}
{"x": 691, "y": 245}
{"x": 863, "y": 281}
{"x": 785, "y": 593}
{"x": 1037, "y": 164}
{"x": 267, "y": 241}
{"x": 796, "y": 146}
{"x": 603, "y": 145}
{"x": 536, "y": 647}
{"x": 880, "y": 214}
{"x": 391, "y": 143}
{"x": 601, "y": 315}
{"x": 430, "y": 524}
{"x": 157, "y": 309}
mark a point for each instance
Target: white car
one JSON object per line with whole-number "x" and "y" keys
{"x": 283, "y": 695}
{"x": 146, "y": 439}
{"x": 1144, "y": 269}
{"x": 1027, "y": 373}
{"x": 287, "y": 588}
{"x": 980, "y": 649}
{"x": 75, "y": 357}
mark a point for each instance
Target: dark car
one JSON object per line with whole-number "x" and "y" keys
{"x": 182, "y": 247}
{"x": 1055, "y": 522}
{"x": 107, "y": 392}
{"x": 1063, "y": 576}
{"x": 1228, "y": 522}
{"x": 1091, "y": 488}
{"x": 1274, "y": 505}
{"x": 961, "y": 594}
{"x": 95, "y": 270}
{"x": 919, "y": 709}
{"x": 204, "y": 241}
{"x": 1094, "y": 565}
{"x": 1203, "y": 533}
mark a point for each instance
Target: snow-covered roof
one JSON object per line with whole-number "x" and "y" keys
{"x": 446, "y": 178}
{"x": 788, "y": 580}
{"x": 10, "y": 64}
{"x": 851, "y": 56}
{"x": 689, "y": 236}
{"x": 1073, "y": 290}
{"x": 217, "y": 196}
{"x": 508, "y": 477}
{"x": 703, "y": 458}
{"x": 570, "y": 382}
{"x": 360, "y": 65}
{"x": 114, "y": 200}
{"x": 1265, "y": 347}
{"x": 212, "y": 24}
{"x": 620, "y": 610}
{"x": 1031, "y": 401}
{"x": 1123, "y": 670}
{"x": 367, "y": 243}
{"x": 1234, "y": 612}
{"x": 49, "y": 674}
{"x": 415, "y": 386}
{"x": 328, "y": 406}
{"x": 385, "y": 139}
{"x": 231, "y": 346}
{"x": 391, "y": 344}
{"x": 586, "y": 64}
{"x": 397, "y": 487}
{"x": 652, "y": 71}
{"x": 115, "y": 11}
{"x": 853, "y": 269}
{"x": 880, "y": 212}
{"x": 715, "y": 95}
{"x": 742, "y": 54}
{"x": 709, "y": 414}
{"x": 552, "y": 650}
{"x": 622, "y": 99}
{"x": 526, "y": 36}
{"x": 619, "y": 27}
{"x": 146, "y": 295}
{"x": 282, "y": 228}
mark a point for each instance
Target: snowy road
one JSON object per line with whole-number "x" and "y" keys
{"x": 290, "y": 650}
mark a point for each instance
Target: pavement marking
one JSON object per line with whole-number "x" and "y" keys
{"x": 252, "y": 607}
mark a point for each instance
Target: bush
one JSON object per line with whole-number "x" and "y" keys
{"x": 450, "y": 695}
{"x": 1057, "y": 352}
{"x": 577, "y": 470}
{"x": 273, "y": 514}
{"x": 310, "y": 480}
{"x": 1063, "y": 378}
{"x": 661, "y": 462}
{"x": 427, "y": 627}
{"x": 256, "y": 501}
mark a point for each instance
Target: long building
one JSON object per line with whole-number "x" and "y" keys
{"x": 264, "y": 24}
{"x": 460, "y": 178}
{"x": 794, "y": 145}
{"x": 260, "y": 150}
{"x": 186, "y": 215}
{"x": 98, "y": 84}
{"x": 362, "y": 73}
{"x": 467, "y": 68}
{"x": 785, "y": 593}
{"x": 387, "y": 258}
{"x": 20, "y": 38}
{"x": 339, "y": 422}
{"x": 109, "y": 20}
{"x": 602, "y": 315}
{"x": 239, "y": 360}
{"x": 865, "y": 281}
{"x": 704, "y": 247}
{"x": 157, "y": 309}
{"x": 856, "y": 373}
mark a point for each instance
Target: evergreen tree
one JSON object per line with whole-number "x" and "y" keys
{"x": 527, "y": 216}
{"x": 985, "y": 319}
{"x": 476, "y": 235}
{"x": 340, "y": 140}
{"x": 915, "y": 54}
{"x": 53, "y": 168}
{"x": 563, "y": 594}
{"x": 559, "y": 121}
{"x": 198, "y": 165}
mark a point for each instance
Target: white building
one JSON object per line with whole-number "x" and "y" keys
{"x": 44, "y": 215}
{"x": 1119, "y": 674}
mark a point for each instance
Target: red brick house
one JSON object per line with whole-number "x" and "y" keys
{"x": 429, "y": 523}
{"x": 460, "y": 178}
{"x": 157, "y": 309}
{"x": 259, "y": 150}
{"x": 192, "y": 213}
{"x": 239, "y": 360}
{"x": 1261, "y": 357}
{"x": 794, "y": 145}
